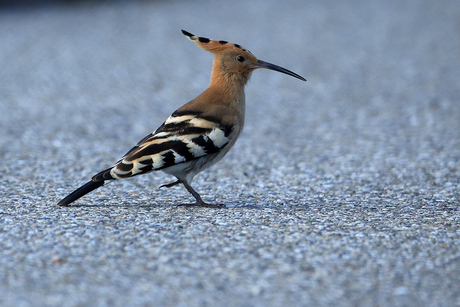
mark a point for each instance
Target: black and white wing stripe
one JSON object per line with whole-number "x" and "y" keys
{"x": 183, "y": 137}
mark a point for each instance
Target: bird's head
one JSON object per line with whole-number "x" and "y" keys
{"x": 232, "y": 61}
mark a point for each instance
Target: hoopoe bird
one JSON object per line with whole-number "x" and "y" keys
{"x": 198, "y": 134}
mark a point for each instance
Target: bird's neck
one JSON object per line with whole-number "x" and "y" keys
{"x": 228, "y": 90}
{"x": 229, "y": 84}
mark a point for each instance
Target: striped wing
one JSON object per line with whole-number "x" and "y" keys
{"x": 183, "y": 137}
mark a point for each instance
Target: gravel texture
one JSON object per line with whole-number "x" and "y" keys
{"x": 342, "y": 191}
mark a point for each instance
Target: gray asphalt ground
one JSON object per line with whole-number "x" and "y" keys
{"x": 342, "y": 191}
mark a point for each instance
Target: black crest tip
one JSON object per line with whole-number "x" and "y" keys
{"x": 204, "y": 40}
{"x": 190, "y": 35}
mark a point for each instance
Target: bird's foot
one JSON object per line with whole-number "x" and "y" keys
{"x": 168, "y": 185}
{"x": 203, "y": 204}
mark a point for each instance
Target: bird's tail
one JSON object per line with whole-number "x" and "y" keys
{"x": 81, "y": 191}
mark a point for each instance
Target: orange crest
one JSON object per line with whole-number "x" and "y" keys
{"x": 213, "y": 45}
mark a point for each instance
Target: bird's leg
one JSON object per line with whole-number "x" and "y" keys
{"x": 168, "y": 185}
{"x": 199, "y": 201}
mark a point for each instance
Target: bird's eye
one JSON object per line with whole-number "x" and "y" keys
{"x": 240, "y": 58}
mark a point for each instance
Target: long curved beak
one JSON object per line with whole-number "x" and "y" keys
{"x": 263, "y": 64}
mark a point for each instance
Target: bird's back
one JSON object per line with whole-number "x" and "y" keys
{"x": 191, "y": 139}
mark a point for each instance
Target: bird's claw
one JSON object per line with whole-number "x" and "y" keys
{"x": 168, "y": 185}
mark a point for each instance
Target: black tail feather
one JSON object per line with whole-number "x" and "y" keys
{"x": 81, "y": 191}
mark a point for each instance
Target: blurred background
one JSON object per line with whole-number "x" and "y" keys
{"x": 379, "y": 72}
